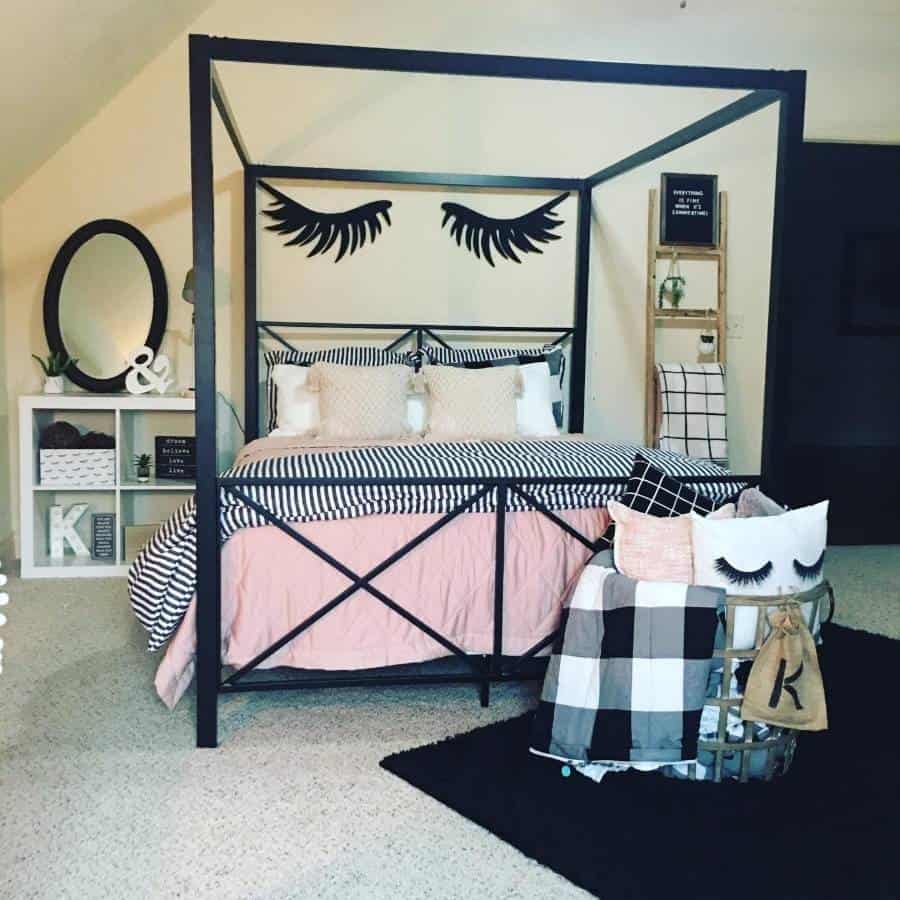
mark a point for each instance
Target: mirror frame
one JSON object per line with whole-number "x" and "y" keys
{"x": 53, "y": 287}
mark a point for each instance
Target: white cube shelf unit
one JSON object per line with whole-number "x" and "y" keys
{"x": 134, "y": 422}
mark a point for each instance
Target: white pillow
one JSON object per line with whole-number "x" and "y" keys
{"x": 298, "y": 407}
{"x": 759, "y": 557}
{"x": 534, "y": 408}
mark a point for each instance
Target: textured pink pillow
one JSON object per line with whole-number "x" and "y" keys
{"x": 650, "y": 548}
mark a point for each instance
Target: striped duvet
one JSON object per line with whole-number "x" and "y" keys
{"x": 163, "y": 577}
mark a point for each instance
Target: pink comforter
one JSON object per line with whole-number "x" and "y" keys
{"x": 270, "y": 583}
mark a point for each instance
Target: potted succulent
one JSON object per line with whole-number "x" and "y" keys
{"x": 142, "y": 463}
{"x": 54, "y": 367}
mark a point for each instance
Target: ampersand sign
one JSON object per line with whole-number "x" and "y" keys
{"x": 147, "y": 373}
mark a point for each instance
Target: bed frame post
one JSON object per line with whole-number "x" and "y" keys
{"x": 579, "y": 335}
{"x": 251, "y": 332}
{"x": 206, "y": 497}
{"x": 495, "y": 666}
{"x": 776, "y": 405}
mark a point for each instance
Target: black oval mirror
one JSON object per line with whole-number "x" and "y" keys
{"x": 105, "y": 296}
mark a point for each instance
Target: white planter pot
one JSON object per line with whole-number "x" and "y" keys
{"x": 55, "y": 385}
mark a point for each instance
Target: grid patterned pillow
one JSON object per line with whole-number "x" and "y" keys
{"x": 486, "y": 357}
{"x": 342, "y": 356}
{"x": 651, "y": 491}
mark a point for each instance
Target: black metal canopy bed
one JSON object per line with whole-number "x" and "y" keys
{"x": 501, "y": 482}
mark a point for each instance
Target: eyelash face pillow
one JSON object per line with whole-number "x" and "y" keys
{"x": 762, "y": 556}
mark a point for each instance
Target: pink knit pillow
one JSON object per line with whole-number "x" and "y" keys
{"x": 650, "y": 548}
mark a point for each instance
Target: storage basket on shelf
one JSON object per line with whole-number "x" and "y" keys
{"x": 78, "y": 467}
{"x": 730, "y": 748}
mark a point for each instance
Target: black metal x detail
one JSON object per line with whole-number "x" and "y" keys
{"x": 358, "y": 582}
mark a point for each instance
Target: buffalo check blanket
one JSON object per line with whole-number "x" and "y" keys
{"x": 628, "y": 675}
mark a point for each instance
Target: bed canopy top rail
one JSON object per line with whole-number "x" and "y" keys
{"x": 206, "y": 91}
{"x": 426, "y": 179}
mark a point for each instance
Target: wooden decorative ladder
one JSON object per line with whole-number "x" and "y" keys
{"x": 700, "y": 318}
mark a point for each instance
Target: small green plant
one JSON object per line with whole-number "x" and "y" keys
{"x": 55, "y": 364}
{"x": 142, "y": 463}
{"x": 672, "y": 286}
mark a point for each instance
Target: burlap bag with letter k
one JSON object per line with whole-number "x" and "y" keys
{"x": 785, "y": 684}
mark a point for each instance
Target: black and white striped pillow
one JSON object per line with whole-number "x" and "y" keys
{"x": 342, "y": 356}
{"x": 486, "y": 357}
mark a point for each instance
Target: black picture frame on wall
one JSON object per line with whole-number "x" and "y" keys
{"x": 870, "y": 287}
{"x": 689, "y": 209}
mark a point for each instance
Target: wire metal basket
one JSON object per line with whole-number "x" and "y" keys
{"x": 738, "y": 749}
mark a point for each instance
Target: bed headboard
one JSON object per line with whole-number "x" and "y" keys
{"x": 417, "y": 335}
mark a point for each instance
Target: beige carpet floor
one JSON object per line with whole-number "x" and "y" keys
{"x": 102, "y": 793}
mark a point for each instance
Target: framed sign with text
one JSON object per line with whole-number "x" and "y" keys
{"x": 689, "y": 209}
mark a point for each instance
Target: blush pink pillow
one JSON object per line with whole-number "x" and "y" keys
{"x": 650, "y": 548}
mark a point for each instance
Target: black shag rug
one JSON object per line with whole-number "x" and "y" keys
{"x": 829, "y": 829}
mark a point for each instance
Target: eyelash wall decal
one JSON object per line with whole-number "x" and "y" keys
{"x": 308, "y": 225}
{"x": 482, "y": 232}
{"x": 736, "y": 576}
{"x": 810, "y": 571}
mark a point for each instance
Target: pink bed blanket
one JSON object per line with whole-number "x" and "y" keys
{"x": 270, "y": 583}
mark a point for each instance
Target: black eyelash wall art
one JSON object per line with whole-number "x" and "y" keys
{"x": 307, "y": 225}
{"x": 812, "y": 571}
{"x": 736, "y": 576}
{"x": 482, "y": 232}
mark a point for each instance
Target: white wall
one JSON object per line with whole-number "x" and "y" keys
{"x": 131, "y": 160}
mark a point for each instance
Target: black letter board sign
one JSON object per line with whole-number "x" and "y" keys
{"x": 176, "y": 457}
{"x": 103, "y": 536}
{"x": 689, "y": 212}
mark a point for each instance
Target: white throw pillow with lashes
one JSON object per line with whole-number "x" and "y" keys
{"x": 759, "y": 557}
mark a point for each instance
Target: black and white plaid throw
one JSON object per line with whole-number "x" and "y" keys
{"x": 628, "y": 676}
{"x": 487, "y": 357}
{"x": 163, "y": 577}
{"x": 693, "y": 402}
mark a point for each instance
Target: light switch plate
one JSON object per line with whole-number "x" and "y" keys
{"x": 735, "y": 326}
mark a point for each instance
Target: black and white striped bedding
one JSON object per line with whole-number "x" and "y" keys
{"x": 162, "y": 579}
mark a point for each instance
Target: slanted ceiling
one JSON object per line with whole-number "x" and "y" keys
{"x": 62, "y": 61}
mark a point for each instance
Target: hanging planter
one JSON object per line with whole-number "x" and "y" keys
{"x": 671, "y": 288}
{"x": 707, "y": 345}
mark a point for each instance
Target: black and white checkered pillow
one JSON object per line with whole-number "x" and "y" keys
{"x": 342, "y": 356}
{"x": 651, "y": 491}
{"x": 486, "y": 357}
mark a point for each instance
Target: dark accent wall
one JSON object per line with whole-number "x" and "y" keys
{"x": 843, "y": 428}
